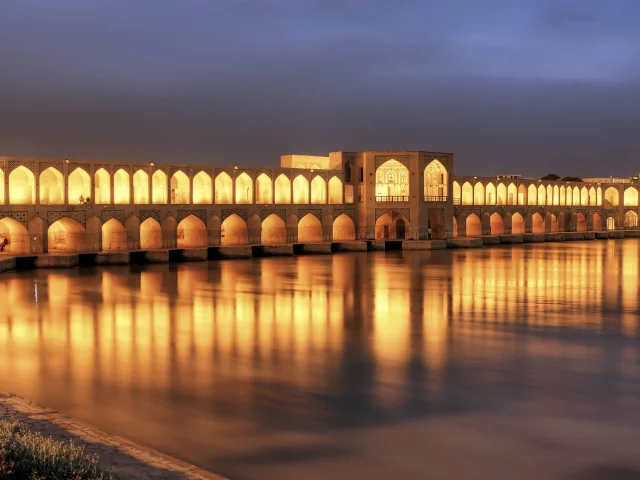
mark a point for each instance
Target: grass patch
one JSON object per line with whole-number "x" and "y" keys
{"x": 30, "y": 456}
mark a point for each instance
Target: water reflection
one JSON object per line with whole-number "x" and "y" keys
{"x": 215, "y": 362}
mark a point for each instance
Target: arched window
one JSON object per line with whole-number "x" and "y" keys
{"x": 300, "y": 190}
{"x": 542, "y": 195}
{"x": 392, "y": 182}
{"x": 140, "y": 187}
{"x": 584, "y": 196}
{"x": 263, "y": 189}
{"x": 435, "y": 181}
{"x": 79, "y": 185}
{"x": 244, "y": 189}
{"x": 457, "y": 193}
{"x": 224, "y": 188}
{"x": 490, "y": 194}
{"x": 502, "y": 194}
{"x": 180, "y": 188}
{"x": 318, "y": 189}
{"x": 467, "y": 194}
{"x": 282, "y": 189}
{"x": 478, "y": 194}
{"x": 512, "y": 195}
{"x": 159, "y": 187}
{"x": 592, "y": 197}
{"x": 631, "y": 219}
{"x": 51, "y": 187}
{"x": 22, "y": 188}
{"x": 102, "y": 183}
{"x": 121, "y": 189}
{"x": 562, "y": 195}
{"x": 612, "y": 196}
{"x": 533, "y": 195}
{"x": 335, "y": 191}
{"x": 556, "y": 195}
{"x": 631, "y": 197}
{"x": 202, "y": 189}
{"x": 576, "y": 196}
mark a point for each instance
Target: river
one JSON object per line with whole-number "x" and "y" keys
{"x": 503, "y": 363}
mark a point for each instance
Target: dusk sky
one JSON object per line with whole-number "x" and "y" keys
{"x": 508, "y": 86}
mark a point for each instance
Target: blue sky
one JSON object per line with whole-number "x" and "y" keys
{"x": 519, "y": 86}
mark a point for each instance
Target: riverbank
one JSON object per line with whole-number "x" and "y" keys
{"x": 124, "y": 458}
{"x": 137, "y": 257}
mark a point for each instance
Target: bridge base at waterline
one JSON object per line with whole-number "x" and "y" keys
{"x": 424, "y": 245}
{"x": 311, "y": 248}
{"x": 465, "y": 242}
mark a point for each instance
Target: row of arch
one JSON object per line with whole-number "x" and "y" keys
{"x": 392, "y": 180}
{"x": 489, "y": 194}
{"x": 68, "y": 235}
{"x": 496, "y": 224}
{"x": 179, "y": 189}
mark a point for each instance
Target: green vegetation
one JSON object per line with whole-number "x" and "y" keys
{"x": 25, "y": 455}
{"x": 551, "y": 176}
{"x": 571, "y": 179}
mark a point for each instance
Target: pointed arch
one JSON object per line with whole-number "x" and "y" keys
{"x": 66, "y": 235}
{"x": 343, "y": 229}
{"x": 234, "y": 231}
{"x": 512, "y": 194}
{"x": 22, "y": 186}
{"x": 592, "y": 197}
{"x": 318, "y": 190}
{"x": 596, "y": 222}
{"x": 335, "y": 191}
{"x": 556, "y": 195}
{"x": 300, "y": 190}
{"x": 224, "y": 188}
{"x": 435, "y": 180}
{"x": 51, "y": 187}
{"x": 273, "y": 230}
{"x": 1, "y": 187}
{"x": 141, "y": 187}
{"x": 522, "y": 194}
{"x": 576, "y": 196}
{"x": 612, "y": 196}
{"x": 264, "y": 189}
{"x": 542, "y": 195}
{"x": 392, "y": 180}
{"x": 599, "y": 196}
{"x": 467, "y": 194}
{"x": 562, "y": 195}
{"x": 102, "y": 187}
{"x": 533, "y": 195}
{"x": 478, "y": 194}
{"x": 309, "y": 229}
{"x": 202, "y": 188}
{"x": 150, "y": 234}
{"x": 631, "y": 219}
{"x": 549, "y": 195}
{"x": 159, "y": 187}
{"x": 191, "y": 233}
{"x": 537, "y": 223}
{"x": 517, "y": 224}
{"x": 16, "y": 235}
{"x": 584, "y": 196}
{"x": 113, "y": 236}
{"x": 569, "y": 196}
{"x": 490, "y": 194}
{"x": 78, "y": 185}
{"x": 473, "y": 225}
{"x": 630, "y": 197}
{"x": 497, "y": 224}
{"x": 180, "y": 193}
{"x": 457, "y": 193}
{"x": 282, "y": 189}
{"x": 244, "y": 189}
{"x": 501, "y": 194}
{"x": 121, "y": 187}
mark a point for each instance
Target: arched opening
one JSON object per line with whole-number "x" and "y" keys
{"x": 611, "y": 197}
{"x": 244, "y": 189}
{"x": 387, "y": 226}
{"x": 22, "y": 189}
{"x": 553, "y": 223}
{"x": 435, "y": 181}
{"x": 474, "y": 227}
{"x": 224, "y": 188}
{"x": 556, "y": 195}
{"x": 343, "y": 229}
{"x": 436, "y": 224}
{"x": 51, "y": 187}
{"x": 114, "y": 236}
{"x": 517, "y": 224}
{"x": 631, "y": 197}
{"x": 611, "y": 223}
{"x": 597, "y": 222}
{"x": 273, "y": 230}
{"x": 392, "y": 182}
{"x": 512, "y": 194}
{"x": 159, "y": 187}
{"x": 102, "y": 184}
{"x": 202, "y": 189}
{"x": 140, "y": 187}
{"x": 348, "y": 194}
{"x": 569, "y": 196}
{"x": 576, "y": 196}
{"x": 497, "y": 224}
{"x": 150, "y": 234}
{"x": 562, "y": 195}
{"x": 522, "y": 195}
{"x": 282, "y": 189}
{"x": 16, "y": 235}
{"x": 309, "y": 229}
{"x": 66, "y": 235}
{"x": 300, "y": 190}
{"x": 180, "y": 188}
{"x": 533, "y": 195}
{"x": 599, "y": 197}
{"x": 490, "y": 194}
{"x": 467, "y": 194}
{"x": 592, "y": 197}
{"x": 264, "y": 193}
{"x": 79, "y": 186}
{"x": 121, "y": 188}
{"x": 630, "y": 219}
{"x": 562, "y": 226}
{"x": 335, "y": 191}
{"x": 192, "y": 233}
{"x": 234, "y": 231}
{"x": 581, "y": 223}
{"x": 318, "y": 189}
{"x": 478, "y": 194}
{"x": 549, "y": 195}
{"x": 542, "y": 195}
{"x": 457, "y": 193}
{"x": 537, "y": 223}
{"x": 454, "y": 233}
{"x": 501, "y": 194}
{"x": 584, "y": 196}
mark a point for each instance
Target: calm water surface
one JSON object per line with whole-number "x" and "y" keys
{"x": 503, "y": 363}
